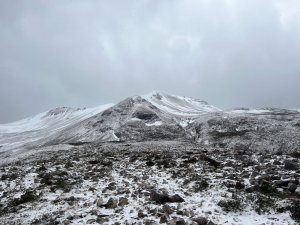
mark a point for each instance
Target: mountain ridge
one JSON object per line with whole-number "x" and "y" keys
{"x": 156, "y": 116}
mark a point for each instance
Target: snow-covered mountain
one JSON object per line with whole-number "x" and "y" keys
{"x": 152, "y": 159}
{"x": 72, "y": 125}
{"x": 64, "y": 116}
{"x": 156, "y": 116}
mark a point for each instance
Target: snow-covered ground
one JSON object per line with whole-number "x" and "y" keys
{"x": 113, "y": 183}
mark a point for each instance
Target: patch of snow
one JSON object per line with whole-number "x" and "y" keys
{"x": 156, "y": 123}
{"x": 135, "y": 119}
{"x": 252, "y": 111}
{"x": 115, "y": 136}
{"x": 184, "y": 123}
{"x": 29, "y": 180}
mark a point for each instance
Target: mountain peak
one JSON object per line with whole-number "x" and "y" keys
{"x": 179, "y": 105}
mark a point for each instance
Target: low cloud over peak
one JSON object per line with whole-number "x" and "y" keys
{"x": 86, "y": 53}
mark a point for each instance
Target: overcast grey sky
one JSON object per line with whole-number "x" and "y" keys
{"x": 90, "y": 52}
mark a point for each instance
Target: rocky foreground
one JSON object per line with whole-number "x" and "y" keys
{"x": 150, "y": 183}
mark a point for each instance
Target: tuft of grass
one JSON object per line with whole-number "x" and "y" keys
{"x": 267, "y": 188}
{"x": 28, "y": 196}
{"x": 295, "y": 212}
{"x": 200, "y": 185}
{"x": 264, "y": 204}
{"x": 230, "y": 205}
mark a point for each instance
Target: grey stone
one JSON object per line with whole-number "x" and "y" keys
{"x": 292, "y": 187}
{"x": 112, "y": 203}
{"x": 201, "y": 220}
{"x": 123, "y": 201}
{"x": 167, "y": 209}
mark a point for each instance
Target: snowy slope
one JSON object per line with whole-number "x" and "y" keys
{"x": 30, "y": 130}
{"x": 54, "y": 119}
{"x": 178, "y": 105}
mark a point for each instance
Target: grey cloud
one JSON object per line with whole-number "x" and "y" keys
{"x": 86, "y": 53}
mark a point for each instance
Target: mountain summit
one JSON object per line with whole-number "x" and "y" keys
{"x": 178, "y": 105}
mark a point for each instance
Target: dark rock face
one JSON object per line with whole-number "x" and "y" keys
{"x": 145, "y": 114}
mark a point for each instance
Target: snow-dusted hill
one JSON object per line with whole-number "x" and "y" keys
{"x": 152, "y": 159}
{"x": 156, "y": 116}
{"x": 54, "y": 119}
{"x": 31, "y": 130}
{"x": 65, "y": 125}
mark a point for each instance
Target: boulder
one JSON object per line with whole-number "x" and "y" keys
{"x": 112, "y": 203}
{"x": 167, "y": 209}
{"x": 99, "y": 202}
{"x": 292, "y": 187}
{"x": 123, "y": 201}
{"x": 201, "y": 220}
{"x": 163, "y": 219}
{"x": 161, "y": 198}
{"x": 177, "y": 198}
